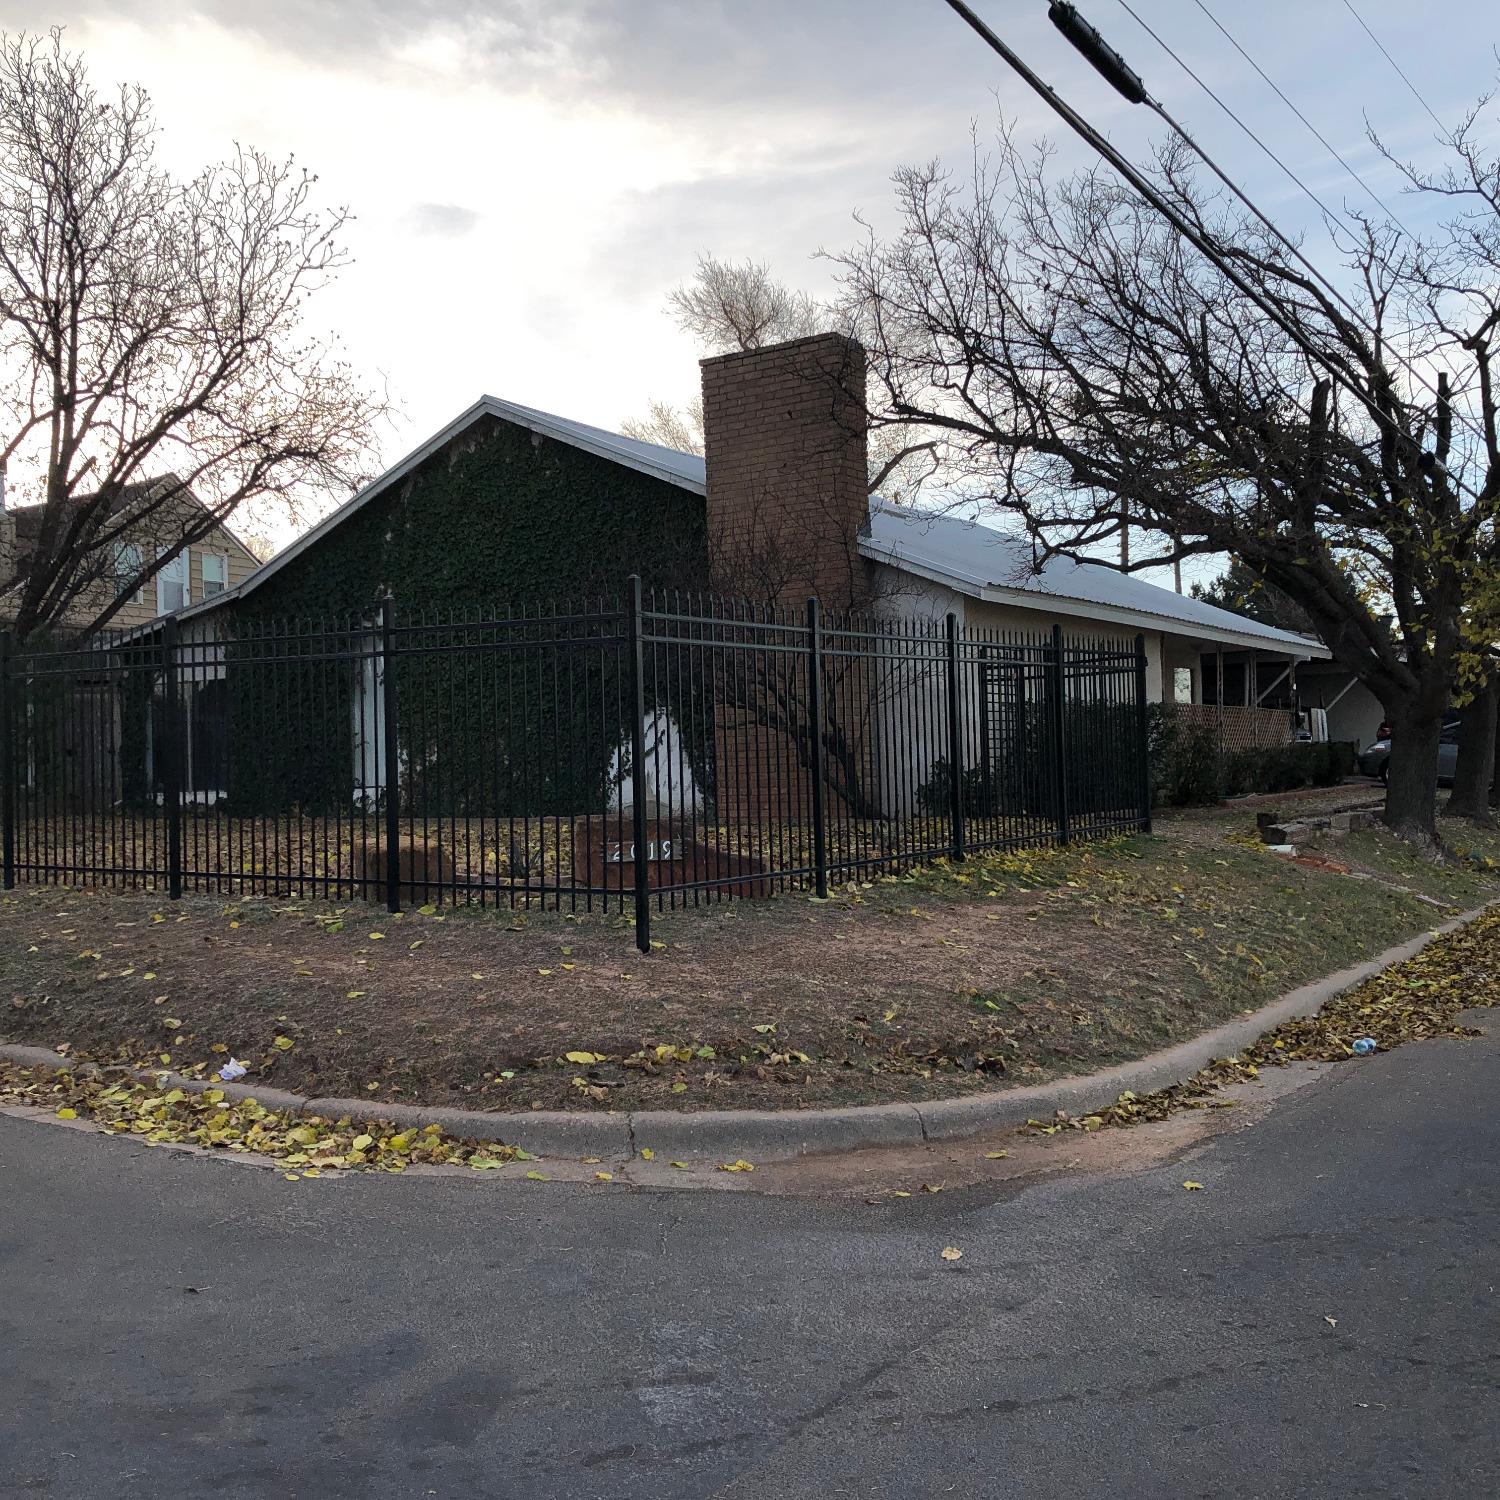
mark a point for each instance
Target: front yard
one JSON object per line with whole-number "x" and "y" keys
{"x": 1005, "y": 970}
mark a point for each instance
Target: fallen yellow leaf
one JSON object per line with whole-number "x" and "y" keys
{"x": 1193, "y": 1187}
{"x": 952, "y": 1252}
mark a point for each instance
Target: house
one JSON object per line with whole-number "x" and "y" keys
{"x": 213, "y": 563}
{"x": 508, "y": 505}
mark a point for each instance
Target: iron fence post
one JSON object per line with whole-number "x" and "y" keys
{"x": 815, "y": 743}
{"x": 955, "y": 745}
{"x": 7, "y": 765}
{"x": 1143, "y": 733}
{"x": 172, "y": 745}
{"x": 389, "y": 754}
{"x": 638, "y": 765}
{"x": 1060, "y": 734}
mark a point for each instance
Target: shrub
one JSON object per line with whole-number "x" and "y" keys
{"x": 1186, "y": 770}
{"x": 981, "y": 797}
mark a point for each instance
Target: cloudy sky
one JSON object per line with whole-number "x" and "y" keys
{"x": 531, "y": 176}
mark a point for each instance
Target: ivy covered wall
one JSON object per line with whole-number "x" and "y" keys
{"x": 500, "y": 521}
{"x": 500, "y": 516}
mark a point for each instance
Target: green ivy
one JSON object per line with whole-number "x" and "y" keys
{"x": 501, "y": 523}
{"x": 500, "y": 517}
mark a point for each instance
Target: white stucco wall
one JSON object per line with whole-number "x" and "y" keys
{"x": 911, "y": 720}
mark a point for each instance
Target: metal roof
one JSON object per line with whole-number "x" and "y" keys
{"x": 986, "y": 563}
{"x": 975, "y": 559}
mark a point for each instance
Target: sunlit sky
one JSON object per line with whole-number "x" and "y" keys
{"x": 530, "y": 177}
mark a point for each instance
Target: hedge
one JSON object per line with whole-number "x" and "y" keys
{"x": 1187, "y": 769}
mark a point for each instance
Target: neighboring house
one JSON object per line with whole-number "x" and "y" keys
{"x": 1353, "y": 711}
{"x": 507, "y": 504}
{"x": 212, "y": 565}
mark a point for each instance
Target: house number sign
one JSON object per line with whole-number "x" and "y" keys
{"x": 624, "y": 854}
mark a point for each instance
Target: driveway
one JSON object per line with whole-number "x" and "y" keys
{"x": 1321, "y": 1319}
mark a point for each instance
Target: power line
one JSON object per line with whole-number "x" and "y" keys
{"x": 1207, "y": 89}
{"x": 1112, "y": 66}
{"x": 1416, "y": 93}
{"x": 1327, "y": 145}
{"x": 1138, "y": 93}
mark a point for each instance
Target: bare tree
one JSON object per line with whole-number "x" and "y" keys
{"x": 732, "y": 305}
{"x": 152, "y": 339}
{"x": 1456, "y": 278}
{"x": 1075, "y": 357}
{"x": 726, "y": 306}
{"x": 679, "y": 428}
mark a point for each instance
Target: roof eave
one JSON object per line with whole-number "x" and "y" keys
{"x": 1063, "y": 604}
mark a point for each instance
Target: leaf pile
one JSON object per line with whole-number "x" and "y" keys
{"x": 122, "y": 1105}
{"x": 1412, "y": 1001}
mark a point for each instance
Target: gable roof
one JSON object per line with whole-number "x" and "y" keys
{"x": 973, "y": 558}
{"x": 686, "y": 470}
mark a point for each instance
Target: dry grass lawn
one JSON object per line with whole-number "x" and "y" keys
{"x": 1009, "y": 969}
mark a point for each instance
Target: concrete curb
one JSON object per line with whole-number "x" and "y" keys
{"x": 772, "y": 1135}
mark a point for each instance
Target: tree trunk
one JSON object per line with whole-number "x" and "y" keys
{"x": 1411, "y": 785}
{"x": 1476, "y": 757}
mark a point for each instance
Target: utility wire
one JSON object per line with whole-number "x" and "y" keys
{"x": 1336, "y": 368}
{"x": 1292, "y": 247}
{"x": 1327, "y": 145}
{"x": 1207, "y": 89}
{"x": 1416, "y": 93}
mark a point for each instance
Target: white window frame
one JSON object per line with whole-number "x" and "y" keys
{"x": 220, "y": 584}
{"x": 128, "y": 567}
{"x": 179, "y": 570}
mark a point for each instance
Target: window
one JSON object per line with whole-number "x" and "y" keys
{"x": 172, "y": 590}
{"x": 128, "y": 564}
{"x": 1182, "y": 684}
{"x": 215, "y": 573}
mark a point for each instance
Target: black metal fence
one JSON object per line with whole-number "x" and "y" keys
{"x": 660, "y": 753}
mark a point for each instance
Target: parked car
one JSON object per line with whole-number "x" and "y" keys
{"x": 1375, "y": 758}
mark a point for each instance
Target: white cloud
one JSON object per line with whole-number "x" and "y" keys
{"x": 529, "y": 177}
{"x": 444, "y": 220}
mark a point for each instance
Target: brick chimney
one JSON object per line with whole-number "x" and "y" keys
{"x": 788, "y": 488}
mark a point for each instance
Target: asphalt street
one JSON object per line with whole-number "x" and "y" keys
{"x": 1318, "y": 1320}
